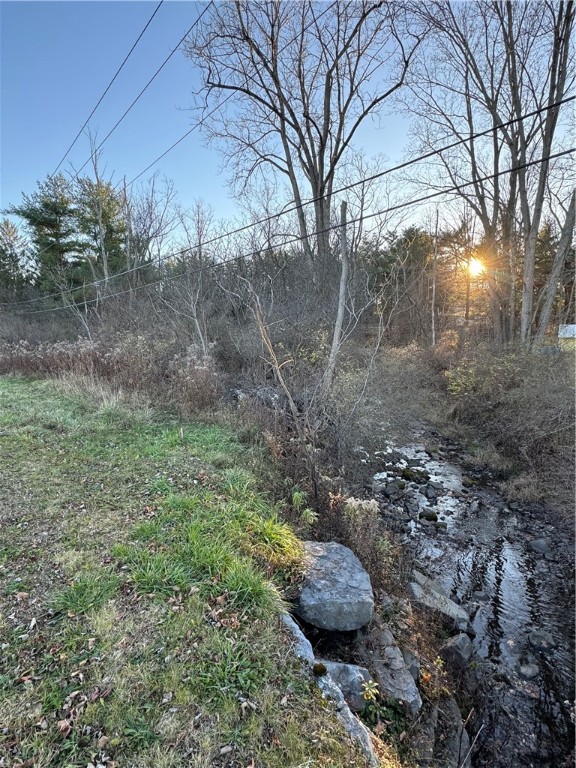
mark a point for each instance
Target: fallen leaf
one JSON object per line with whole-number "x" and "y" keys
{"x": 65, "y": 727}
{"x": 22, "y": 596}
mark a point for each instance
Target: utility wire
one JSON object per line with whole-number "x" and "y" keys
{"x": 76, "y": 175}
{"x": 375, "y": 176}
{"x": 299, "y": 238}
{"x": 315, "y": 20}
{"x": 148, "y": 84}
{"x": 110, "y": 84}
{"x": 178, "y": 141}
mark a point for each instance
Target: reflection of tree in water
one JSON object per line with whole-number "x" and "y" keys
{"x": 532, "y": 584}
{"x": 495, "y": 630}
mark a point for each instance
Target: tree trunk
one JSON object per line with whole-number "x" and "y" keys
{"x": 552, "y": 284}
{"x": 338, "y": 325}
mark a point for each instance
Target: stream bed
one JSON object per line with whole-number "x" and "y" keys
{"x": 511, "y": 567}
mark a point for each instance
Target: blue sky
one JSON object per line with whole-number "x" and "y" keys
{"x": 56, "y": 60}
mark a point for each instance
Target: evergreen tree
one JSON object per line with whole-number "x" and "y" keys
{"x": 49, "y": 214}
{"x": 12, "y": 258}
{"x": 101, "y": 226}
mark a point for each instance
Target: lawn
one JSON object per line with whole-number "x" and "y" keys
{"x": 141, "y": 579}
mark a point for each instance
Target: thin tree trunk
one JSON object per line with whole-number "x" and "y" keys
{"x": 338, "y": 325}
{"x": 435, "y": 259}
{"x": 559, "y": 259}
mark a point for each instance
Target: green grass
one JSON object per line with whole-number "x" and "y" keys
{"x": 89, "y": 591}
{"x": 144, "y": 575}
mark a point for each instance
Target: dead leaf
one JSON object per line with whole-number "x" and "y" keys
{"x": 22, "y": 596}
{"x": 91, "y": 643}
{"x": 102, "y": 742}
{"x": 226, "y": 750}
{"x": 65, "y": 727}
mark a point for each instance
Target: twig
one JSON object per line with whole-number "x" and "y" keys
{"x": 475, "y": 739}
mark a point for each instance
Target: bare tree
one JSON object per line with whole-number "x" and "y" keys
{"x": 150, "y": 219}
{"x": 488, "y": 63}
{"x": 288, "y": 84}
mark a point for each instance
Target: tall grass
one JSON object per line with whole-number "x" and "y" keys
{"x": 130, "y": 363}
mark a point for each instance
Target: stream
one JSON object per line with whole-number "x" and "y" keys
{"x": 512, "y": 570}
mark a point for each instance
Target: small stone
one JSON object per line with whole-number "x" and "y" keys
{"x": 541, "y": 640}
{"x": 351, "y": 679}
{"x": 529, "y": 671}
{"x": 540, "y": 546}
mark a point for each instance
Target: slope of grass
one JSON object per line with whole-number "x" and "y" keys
{"x": 140, "y": 582}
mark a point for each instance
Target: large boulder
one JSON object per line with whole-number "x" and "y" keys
{"x": 388, "y": 667}
{"x": 431, "y": 595}
{"x": 337, "y": 594}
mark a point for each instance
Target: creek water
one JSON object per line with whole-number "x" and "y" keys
{"x": 512, "y": 568}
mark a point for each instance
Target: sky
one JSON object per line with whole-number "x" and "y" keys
{"x": 57, "y": 59}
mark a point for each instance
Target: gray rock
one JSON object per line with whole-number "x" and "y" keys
{"x": 429, "y": 584}
{"x": 441, "y": 738}
{"x": 302, "y": 646}
{"x": 457, "y": 652}
{"x": 412, "y": 664}
{"x": 356, "y": 729}
{"x": 540, "y": 546}
{"x": 385, "y": 661}
{"x": 350, "y": 722}
{"x": 349, "y": 678}
{"x": 452, "y": 742}
{"x": 433, "y": 596}
{"x": 541, "y": 640}
{"x": 529, "y": 671}
{"x": 337, "y": 594}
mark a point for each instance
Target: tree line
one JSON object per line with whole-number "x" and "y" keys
{"x": 286, "y": 89}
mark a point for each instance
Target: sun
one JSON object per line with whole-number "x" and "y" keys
{"x": 475, "y": 267}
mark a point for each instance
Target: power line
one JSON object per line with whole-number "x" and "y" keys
{"x": 315, "y": 20}
{"x": 401, "y": 166}
{"x": 110, "y": 84}
{"x": 150, "y": 81}
{"x": 178, "y": 141}
{"x": 76, "y": 175}
{"x": 299, "y": 238}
